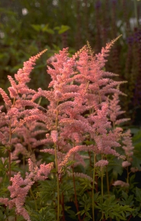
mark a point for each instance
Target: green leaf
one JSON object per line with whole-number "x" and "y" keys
{"x": 36, "y": 27}
{"x": 138, "y": 194}
{"x": 45, "y": 28}
{"x": 125, "y": 195}
{"x": 62, "y": 29}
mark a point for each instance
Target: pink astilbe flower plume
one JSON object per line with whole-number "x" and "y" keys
{"x": 18, "y": 192}
{"x": 20, "y": 187}
{"x": 120, "y": 183}
{"x": 101, "y": 163}
{"x": 39, "y": 173}
{"x": 83, "y": 115}
{"x": 128, "y": 148}
{"x": 105, "y": 52}
{"x": 22, "y": 117}
{"x": 6, "y": 99}
{"x": 79, "y": 85}
{"x": 22, "y": 75}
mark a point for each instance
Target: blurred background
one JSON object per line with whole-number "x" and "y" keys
{"x": 28, "y": 27}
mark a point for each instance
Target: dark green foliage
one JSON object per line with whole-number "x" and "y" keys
{"x": 110, "y": 208}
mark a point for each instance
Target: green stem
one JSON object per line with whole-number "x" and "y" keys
{"x": 63, "y": 209}
{"x": 9, "y": 151}
{"x": 102, "y": 189}
{"x": 107, "y": 180}
{"x": 34, "y": 199}
{"x": 93, "y": 215}
{"x": 102, "y": 194}
{"x": 76, "y": 202}
{"x": 9, "y": 166}
{"x": 127, "y": 175}
{"x": 56, "y": 167}
{"x": 102, "y": 174}
{"x": 58, "y": 191}
{"x": 102, "y": 182}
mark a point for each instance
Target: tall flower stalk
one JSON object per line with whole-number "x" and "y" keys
{"x": 93, "y": 206}
{"x": 54, "y": 134}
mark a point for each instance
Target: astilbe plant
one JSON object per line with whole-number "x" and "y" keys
{"x": 79, "y": 127}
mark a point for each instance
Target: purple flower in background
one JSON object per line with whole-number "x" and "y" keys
{"x": 98, "y": 4}
{"x": 137, "y": 93}
{"x": 130, "y": 40}
{"x": 135, "y": 37}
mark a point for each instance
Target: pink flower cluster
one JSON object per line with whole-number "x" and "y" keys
{"x": 18, "y": 194}
{"x": 83, "y": 106}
